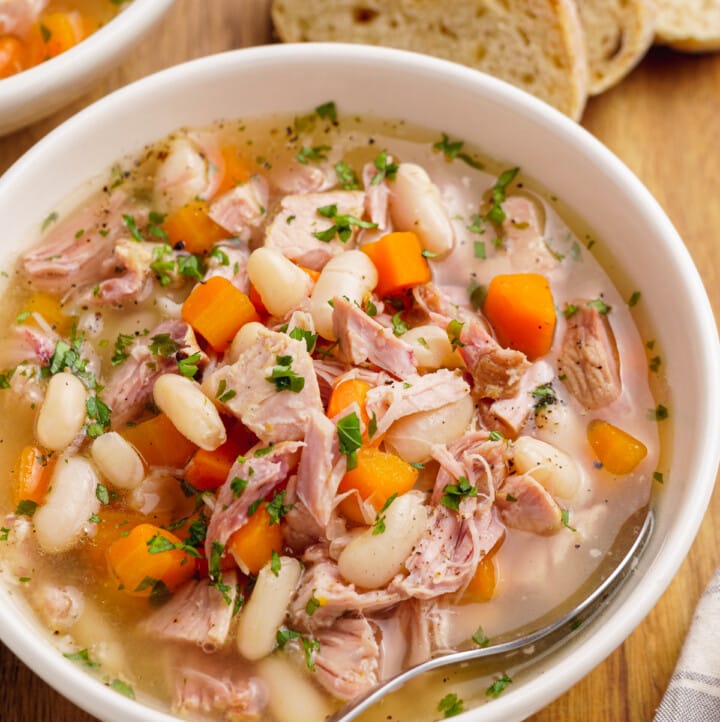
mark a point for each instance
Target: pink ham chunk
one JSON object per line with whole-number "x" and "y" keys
{"x": 198, "y": 613}
{"x": 361, "y": 339}
{"x": 213, "y": 684}
{"x": 261, "y": 474}
{"x": 416, "y": 393}
{"x": 78, "y": 251}
{"x": 321, "y": 468}
{"x": 347, "y": 661}
{"x": 587, "y": 362}
{"x": 292, "y": 229}
{"x": 242, "y": 210}
{"x": 525, "y": 504}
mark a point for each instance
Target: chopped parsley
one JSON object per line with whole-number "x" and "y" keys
{"x": 350, "y": 438}
{"x": 264, "y": 451}
{"x": 82, "y": 656}
{"x": 191, "y": 266}
{"x": 384, "y": 169}
{"x": 238, "y": 485}
{"x": 163, "y": 344}
{"x": 453, "y": 149}
{"x": 477, "y": 225}
{"x": 327, "y": 110}
{"x": 220, "y": 255}
{"x": 188, "y": 367}
{"x": 428, "y": 254}
{"x": 159, "y": 592}
{"x": 399, "y": 326}
{"x": 277, "y": 508}
{"x": 372, "y": 425}
{"x": 379, "y": 525}
{"x": 480, "y": 638}
{"x": 451, "y": 705}
{"x": 122, "y": 687}
{"x": 26, "y": 507}
{"x": 275, "y": 563}
{"x": 130, "y": 224}
{"x": 120, "y": 353}
{"x": 454, "y": 329}
{"x": 570, "y": 310}
{"x": 163, "y": 268}
{"x": 544, "y": 396}
{"x": 654, "y": 364}
{"x": 300, "y": 334}
{"x": 657, "y": 476}
{"x": 453, "y": 494}
{"x": 565, "y": 519}
{"x": 342, "y": 224}
{"x": 346, "y": 176}
{"x": 215, "y": 570}
{"x": 370, "y": 308}
{"x": 477, "y": 294}
{"x": 634, "y": 298}
{"x": 4, "y": 533}
{"x": 223, "y": 394}
{"x": 284, "y": 378}
{"x": 316, "y": 153}
{"x": 102, "y": 494}
{"x": 313, "y": 604}
{"x": 498, "y": 686}
{"x": 496, "y": 215}
{"x": 310, "y": 646}
{"x": 49, "y": 219}
{"x": 99, "y": 412}
{"x": 480, "y": 249}
{"x": 496, "y": 435}
{"x": 600, "y": 306}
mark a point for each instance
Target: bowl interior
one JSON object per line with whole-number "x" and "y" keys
{"x": 509, "y": 126}
{"x": 39, "y": 91}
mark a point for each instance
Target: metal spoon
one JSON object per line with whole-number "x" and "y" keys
{"x": 560, "y": 629}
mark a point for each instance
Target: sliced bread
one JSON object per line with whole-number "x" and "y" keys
{"x": 534, "y": 44}
{"x": 690, "y": 25}
{"x": 617, "y": 36}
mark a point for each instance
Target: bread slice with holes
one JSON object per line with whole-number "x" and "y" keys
{"x": 617, "y": 36}
{"x": 534, "y": 44}
{"x": 689, "y": 25}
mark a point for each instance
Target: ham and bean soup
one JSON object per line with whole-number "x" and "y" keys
{"x": 298, "y": 403}
{"x": 32, "y": 31}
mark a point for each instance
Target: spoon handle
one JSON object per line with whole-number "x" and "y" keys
{"x": 591, "y": 602}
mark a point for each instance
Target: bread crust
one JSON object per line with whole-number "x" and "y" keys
{"x": 537, "y": 45}
{"x": 618, "y": 34}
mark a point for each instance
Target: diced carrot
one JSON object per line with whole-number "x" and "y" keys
{"x": 252, "y": 545}
{"x": 146, "y": 556}
{"x": 483, "y": 583}
{"x": 399, "y": 262}
{"x": 50, "y": 308}
{"x": 347, "y": 392}
{"x": 159, "y": 442}
{"x": 236, "y": 169}
{"x": 520, "y": 308}
{"x": 377, "y": 476}
{"x": 55, "y": 33}
{"x": 192, "y": 227}
{"x": 33, "y": 471}
{"x": 113, "y": 524}
{"x": 217, "y": 310}
{"x": 618, "y": 451}
{"x": 314, "y": 275}
{"x": 257, "y": 302}
{"x": 13, "y": 56}
{"x": 208, "y": 470}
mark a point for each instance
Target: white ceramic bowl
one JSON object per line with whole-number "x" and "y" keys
{"x": 40, "y": 91}
{"x": 510, "y": 126}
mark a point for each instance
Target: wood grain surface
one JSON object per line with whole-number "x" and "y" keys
{"x": 662, "y": 121}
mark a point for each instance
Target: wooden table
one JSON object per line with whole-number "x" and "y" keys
{"x": 663, "y": 122}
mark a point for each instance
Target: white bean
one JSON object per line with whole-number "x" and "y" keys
{"x": 292, "y": 696}
{"x": 265, "y": 611}
{"x": 62, "y": 414}
{"x": 432, "y": 347}
{"x": 70, "y": 502}
{"x": 416, "y": 205}
{"x": 350, "y": 274}
{"x": 117, "y": 460}
{"x": 281, "y": 284}
{"x": 244, "y": 338}
{"x": 553, "y": 468}
{"x": 181, "y": 177}
{"x": 412, "y": 437}
{"x": 191, "y": 412}
{"x": 372, "y": 560}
